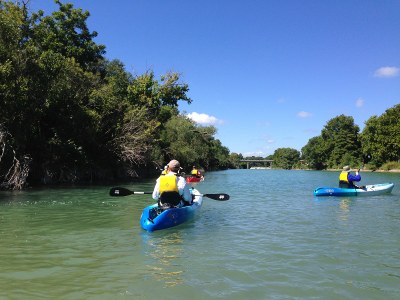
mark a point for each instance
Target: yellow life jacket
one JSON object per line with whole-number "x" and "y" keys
{"x": 164, "y": 172}
{"x": 194, "y": 172}
{"x": 168, "y": 184}
{"x": 169, "y": 193}
{"x": 343, "y": 177}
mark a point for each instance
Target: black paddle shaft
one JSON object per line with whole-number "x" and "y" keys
{"x": 219, "y": 197}
{"x": 120, "y": 192}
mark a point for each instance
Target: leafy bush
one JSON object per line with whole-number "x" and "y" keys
{"x": 391, "y": 165}
{"x": 370, "y": 166}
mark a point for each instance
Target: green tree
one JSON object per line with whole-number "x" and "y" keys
{"x": 160, "y": 98}
{"x": 286, "y": 158}
{"x": 192, "y": 144}
{"x": 342, "y": 146}
{"x": 45, "y": 86}
{"x": 218, "y": 156}
{"x": 68, "y": 114}
{"x": 235, "y": 159}
{"x": 65, "y": 32}
{"x": 181, "y": 139}
{"x": 314, "y": 153}
{"x": 381, "y": 138}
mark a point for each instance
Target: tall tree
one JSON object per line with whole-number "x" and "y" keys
{"x": 381, "y": 137}
{"x": 314, "y": 153}
{"x": 235, "y": 159}
{"x": 340, "y": 136}
{"x": 160, "y": 98}
{"x": 65, "y": 32}
{"x": 286, "y": 158}
{"x": 192, "y": 144}
{"x": 76, "y": 116}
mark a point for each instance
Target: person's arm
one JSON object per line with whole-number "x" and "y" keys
{"x": 352, "y": 177}
{"x": 184, "y": 190}
{"x": 156, "y": 191}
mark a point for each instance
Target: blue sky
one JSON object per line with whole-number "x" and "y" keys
{"x": 267, "y": 74}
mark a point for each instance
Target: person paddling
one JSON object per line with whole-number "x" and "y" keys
{"x": 346, "y": 179}
{"x": 196, "y": 173}
{"x": 171, "y": 189}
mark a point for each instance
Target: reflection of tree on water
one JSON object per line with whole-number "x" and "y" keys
{"x": 165, "y": 252}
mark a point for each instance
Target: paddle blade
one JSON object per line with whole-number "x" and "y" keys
{"x": 120, "y": 191}
{"x": 219, "y": 197}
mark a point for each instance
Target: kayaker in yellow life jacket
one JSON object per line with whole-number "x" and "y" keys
{"x": 171, "y": 189}
{"x": 165, "y": 171}
{"x": 196, "y": 173}
{"x": 346, "y": 179}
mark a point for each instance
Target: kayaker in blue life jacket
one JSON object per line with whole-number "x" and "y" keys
{"x": 171, "y": 189}
{"x": 346, "y": 179}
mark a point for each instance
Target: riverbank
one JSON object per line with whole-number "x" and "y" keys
{"x": 389, "y": 171}
{"x": 366, "y": 170}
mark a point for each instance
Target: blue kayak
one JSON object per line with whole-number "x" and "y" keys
{"x": 153, "y": 218}
{"x": 368, "y": 190}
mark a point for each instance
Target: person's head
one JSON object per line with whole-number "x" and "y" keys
{"x": 174, "y": 165}
{"x": 346, "y": 169}
{"x": 194, "y": 167}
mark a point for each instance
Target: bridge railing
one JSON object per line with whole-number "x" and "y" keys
{"x": 248, "y": 161}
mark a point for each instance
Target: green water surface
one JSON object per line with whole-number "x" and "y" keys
{"x": 272, "y": 240}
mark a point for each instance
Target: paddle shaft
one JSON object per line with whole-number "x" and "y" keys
{"x": 219, "y": 197}
{"x": 120, "y": 192}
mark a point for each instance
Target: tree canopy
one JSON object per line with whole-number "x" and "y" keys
{"x": 341, "y": 143}
{"x": 338, "y": 145}
{"x": 381, "y": 138}
{"x": 285, "y": 158}
{"x": 70, "y": 115}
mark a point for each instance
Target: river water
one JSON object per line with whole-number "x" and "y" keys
{"x": 272, "y": 240}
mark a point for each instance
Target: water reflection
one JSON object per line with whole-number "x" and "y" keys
{"x": 344, "y": 211}
{"x": 165, "y": 251}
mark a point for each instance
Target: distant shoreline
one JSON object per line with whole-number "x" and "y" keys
{"x": 377, "y": 171}
{"x": 330, "y": 170}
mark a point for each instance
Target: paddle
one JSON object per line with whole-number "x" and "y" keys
{"x": 120, "y": 192}
{"x": 219, "y": 197}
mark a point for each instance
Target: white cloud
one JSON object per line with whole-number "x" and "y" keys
{"x": 304, "y": 114}
{"x": 203, "y": 119}
{"x": 360, "y": 102}
{"x": 387, "y": 72}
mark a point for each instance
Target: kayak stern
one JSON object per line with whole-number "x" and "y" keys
{"x": 153, "y": 219}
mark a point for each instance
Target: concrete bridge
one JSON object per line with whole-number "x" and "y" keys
{"x": 248, "y": 161}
